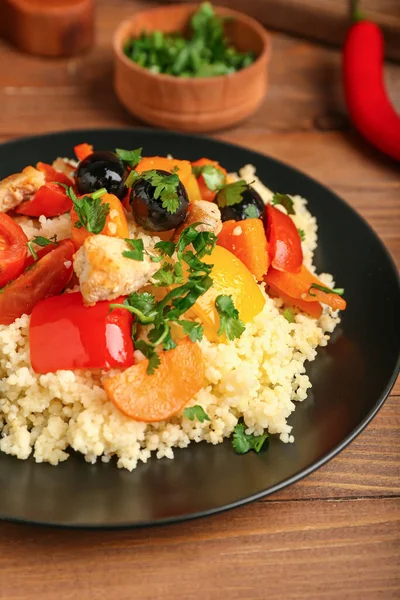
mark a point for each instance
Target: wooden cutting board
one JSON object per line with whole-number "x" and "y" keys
{"x": 322, "y": 20}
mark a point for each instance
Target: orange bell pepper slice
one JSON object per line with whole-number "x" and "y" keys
{"x": 116, "y": 222}
{"x": 152, "y": 398}
{"x": 83, "y": 150}
{"x": 248, "y": 242}
{"x": 299, "y": 286}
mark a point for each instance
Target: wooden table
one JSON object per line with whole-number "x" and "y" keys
{"x": 334, "y": 535}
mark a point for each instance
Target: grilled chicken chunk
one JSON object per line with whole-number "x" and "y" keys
{"x": 206, "y": 213}
{"x": 19, "y": 187}
{"x": 104, "y": 273}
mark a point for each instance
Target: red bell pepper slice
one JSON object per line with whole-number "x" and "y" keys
{"x": 52, "y": 175}
{"x": 50, "y": 200}
{"x": 83, "y": 150}
{"x": 13, "y": 249}
{"x": 65, "y": 334}
{"x": 47, "y": 277}
{"x": 284, "y": 241}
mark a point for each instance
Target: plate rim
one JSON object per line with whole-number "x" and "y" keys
{"x": 289, "y": 480}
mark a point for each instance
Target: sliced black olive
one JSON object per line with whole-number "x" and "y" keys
{"x": 251, "y": 206}
{"x": 102, "y": 169}
{"x": 149, "y": 212}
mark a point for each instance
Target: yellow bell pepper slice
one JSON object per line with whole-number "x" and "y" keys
{"x": 232, "y": 278}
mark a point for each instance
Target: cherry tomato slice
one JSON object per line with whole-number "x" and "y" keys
{"x": 47, "y": 277}
{"x": 52, "y": 175}
{"x": 284, "y": 241}
{"x": 13, "y": 249}
{"x": 65, "y": 334}
{"x": 205, "y": 191}
{"x": 40, "y": 253}
{"x": 50, "y": 200}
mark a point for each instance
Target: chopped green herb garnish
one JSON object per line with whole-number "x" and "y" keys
{"x": 231, "y": 193}
{"x": 196, "y": 412}
{"x": 301, "y": 234}
{"x": 244, "y": 442}
{"x": 338, "y": 291}
{"x": 132, "y": 178}
{"x": 32, "y": 250}
{"x": 148, "y": 351}
{"x": 285, "y": 201}
{"x": 213, "y": 177}
{"x": 166, "y": 188}
{"x": 251, "y": 212}
{"x": 192, "y": 329}
{"x": 288, "y": 314}
{"x": 39, "y": 240}
{"x": 206, "y": 53}
{"x": 131, "y": 157}
{"x": 230, "y": 323}
{"x": 166, "y": 248}
{"x": 91, "y": 211}
{"x": 137, "y": 249}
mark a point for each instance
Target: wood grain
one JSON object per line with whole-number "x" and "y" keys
{"x": 334, "y": 535}
{"x": 313, "y": 550}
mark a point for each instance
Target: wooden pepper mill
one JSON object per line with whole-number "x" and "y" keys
{"x": 48, "y": 27}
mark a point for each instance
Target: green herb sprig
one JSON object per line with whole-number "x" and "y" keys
{"x": 244, "y": 442}
{"x": 322, "y": 288}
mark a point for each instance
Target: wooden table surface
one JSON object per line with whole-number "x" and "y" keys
{"x": 334, "y": 535}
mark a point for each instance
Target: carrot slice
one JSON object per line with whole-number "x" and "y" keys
{"x": 152, "y": 398}
{"x": 314, "y": 309}
{"x": 116, "y": 222}
{"x": 298, "y": 285}
{"x": 248, "y": 242}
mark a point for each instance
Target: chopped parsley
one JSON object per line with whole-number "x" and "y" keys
{"x": 160, "y": 314}
{"x": 285, "y": 201}
{"x": 137, "y": 249}
{"x": 251, "y": 212}
{"x": 288, "y": 314}
{"x": 213, "y": 177}
{"x": 166, "y": 187}
{"x": 32, "y": 250}
{"x": 244, "y": 442}
{"x": 91, "y": 211}
{"x": 196, "y": 412}
{"x": 301, "y": 234}
{"x": 131, "y": 157}
{"x": 231, "y": 193}
{"x": 322, "y": 288}
{"x": 39, "y": 240}
{"x": 230, "y": 324}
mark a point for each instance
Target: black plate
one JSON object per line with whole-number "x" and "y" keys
{"x": 351, "y": 377}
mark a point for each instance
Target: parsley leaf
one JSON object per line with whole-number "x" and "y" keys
{"x": 161, "y": 334}
{"x": 43, "y": 241}
{"x": 196, "y": 412}
{"x": 92, "y": 212}
{"x": 165, "y": 276}
{"x": 285, "y": 201}
{"x": 192, "y": 329}
{"x": 132, "y": 157}
{"x": 230, "y": 324}
{"x": 131, "y": 179}
{"x": 288, "y": 314}
{"x": 204, "y": 243}
{"x": 150, "y": 354}
{"x": 337, "y": 291}
{"x": 232, "y": 193}
{"x": 213, "y": 177}
{"x": 251, "y": 212}
{"x": 244, "y": 442}
{"x": 32, "y": 250}
{"x": 166, "y": 248}
{"x": 166, "y": 188}
{"x": 137, "y": 251}
{"x": 301, "y": 234}
{"x": 195, "y": 264}
{"x": 140, "y": 304}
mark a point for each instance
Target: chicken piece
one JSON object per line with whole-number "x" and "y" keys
{"x": 104, "y": 273}
{"x": 204, "y": 212}
{"x": 19, "y": 187}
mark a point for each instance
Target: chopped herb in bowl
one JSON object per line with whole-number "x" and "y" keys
{"x": 206, "y": 52}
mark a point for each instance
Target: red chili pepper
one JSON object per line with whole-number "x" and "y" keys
{"x": 50, "y": 200}
{"x": 284, "y": 241}
{"x": 367, "y": 101}
{"x": 65, "y": 334}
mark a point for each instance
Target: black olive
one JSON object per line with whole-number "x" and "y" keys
{"x": 244, "y": 209}
{"x": 102, "y": 169}
{"x": 149, "y": 212}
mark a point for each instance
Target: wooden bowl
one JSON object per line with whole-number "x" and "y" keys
{"x": 191, "y": 104}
